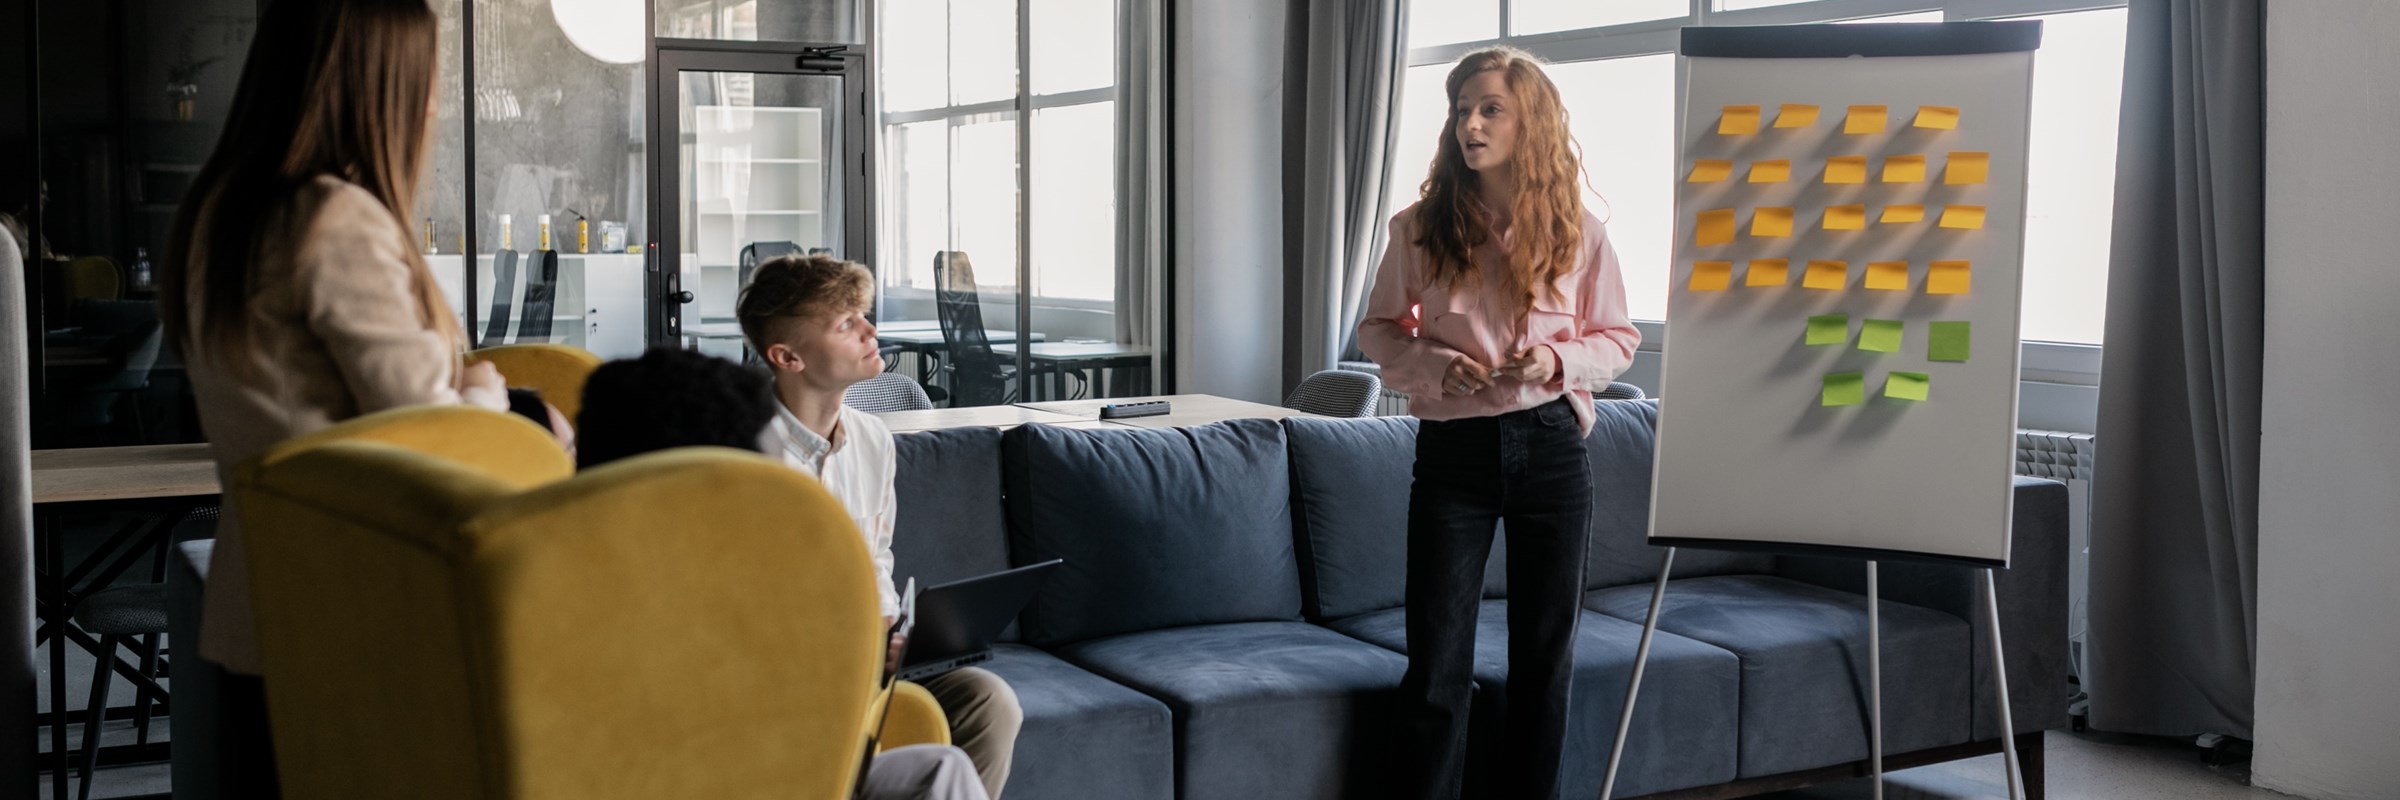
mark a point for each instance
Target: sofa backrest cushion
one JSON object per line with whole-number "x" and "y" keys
{"x": 1159, "y": 527}
{"x": 1621, "y": 448}
{"x": 950, "y": 524}
{"x": 1350, "y": 486}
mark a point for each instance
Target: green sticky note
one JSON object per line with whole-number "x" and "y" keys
{"x": 1907, "y": 385}
{"x": 1845, "y": 389}
{"x": 1879, "y": 335}
{"x": 1828, "y": 329}
{"x": 1949, "y": 342}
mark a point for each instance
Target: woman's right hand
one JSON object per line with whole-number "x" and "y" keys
{"x": 1465, "y": 376}
{"x": 480, "y": 384}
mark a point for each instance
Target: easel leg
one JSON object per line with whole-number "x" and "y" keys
{"x": 2008, "y": 727}
{"x": 1633, "y": 688}
{"x": 1875, "y": 677}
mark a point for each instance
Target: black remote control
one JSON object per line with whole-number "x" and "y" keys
{"x": 1128, "y": 410}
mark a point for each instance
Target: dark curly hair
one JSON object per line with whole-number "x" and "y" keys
{"x": 670, "y": 398}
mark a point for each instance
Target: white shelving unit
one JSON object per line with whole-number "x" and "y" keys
{"x": 758, "y": 175}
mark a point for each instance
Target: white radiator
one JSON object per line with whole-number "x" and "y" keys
{"x": 2068, "y": 457}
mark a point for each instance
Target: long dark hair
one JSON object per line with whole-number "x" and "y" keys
{"x": 330, "y": 87}
{"x": 1547, "y": 213}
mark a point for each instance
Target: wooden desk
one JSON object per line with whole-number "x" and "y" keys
{"x": 1187, "y": 409}
{"x": 972, "y": 417}
{"x": 124, "y": 473}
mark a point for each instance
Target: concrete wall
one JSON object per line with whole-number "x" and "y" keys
{"x": 2329, "y": 520}
{"x": 1228, "y": 202}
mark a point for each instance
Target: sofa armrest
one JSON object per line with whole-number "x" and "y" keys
{"x": 2033, "y": 607}
{"x": 914, "y": 719}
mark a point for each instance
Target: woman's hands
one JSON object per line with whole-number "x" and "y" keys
{"x": 480, "y": 384}
{"x": 1465, "y": 376}
{"x": 1535, "y": 366}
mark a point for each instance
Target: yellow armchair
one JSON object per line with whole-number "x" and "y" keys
{"x": 556, "y": 370}
{"x": 689, "y": 623}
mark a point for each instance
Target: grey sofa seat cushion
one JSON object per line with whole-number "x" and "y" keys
{"x": 1159, "y": 527}
{"x": 1803, "y": 650}
{"x": 1350, "y": 485}
{"x": 1262, "y": 709}
{"x": 1684, "y": 725}
{"x": 1084, "y": 735}
{"x": 1621, "y": 448}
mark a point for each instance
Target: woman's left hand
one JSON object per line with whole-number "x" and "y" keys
{"x": 1536, "y": 365}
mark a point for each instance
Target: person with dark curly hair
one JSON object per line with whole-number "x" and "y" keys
{"x": 672, "y": 398}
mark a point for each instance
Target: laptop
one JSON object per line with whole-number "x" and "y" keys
{"x": 957, "y": 622}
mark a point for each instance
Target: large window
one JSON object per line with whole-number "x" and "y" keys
{"x": 1614, "y": 66}
{"x": 996, "y": 152}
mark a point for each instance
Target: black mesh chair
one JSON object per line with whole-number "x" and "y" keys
{"x": 504, "y": 288}
{"x": 1337, "y": 393}
{"x": 541, "y": 296}
{"x": 1619, "y": 390}
{"x": 977, "y": 376}
{"x": 890, "y": 391}
{"x": 756, "y": 253}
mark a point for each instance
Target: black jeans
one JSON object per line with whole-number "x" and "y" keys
{"x": 1529, "y": 468}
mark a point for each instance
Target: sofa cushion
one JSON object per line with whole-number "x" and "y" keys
{"x": 1621, "y": 448}
{"x": 1158, "y": 527}
{"x": 1684, "y": 732}
{"x": 1262, "y": 709}
{"x": 1803, "y": 650}
{"x": 1350, "y": 485}
{"x": 1084, "y": 735}
{"x": 949, "y": 525}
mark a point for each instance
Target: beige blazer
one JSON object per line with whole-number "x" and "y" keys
{"x": 334, "y": 334}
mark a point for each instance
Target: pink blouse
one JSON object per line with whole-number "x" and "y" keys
{"x": 1414, "y": 327}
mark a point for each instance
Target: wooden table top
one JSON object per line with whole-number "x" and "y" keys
{"x": 1185, "y": 409}
{"x": 973, "y": 417}
{"x": 124, "y": 473}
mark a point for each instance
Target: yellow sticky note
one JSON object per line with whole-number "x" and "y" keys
{"x": 1941, "y": 118}
{"x": 1890, "y": 276}
{"x": 1903, "y": 169}
{"x": 1716, "y": 227}
{"x": 1709, "y": 170}
{"x": 1845, "y": 218}
{"x": 1712, "y": 276}
{"x": 1846, "y": 169}
{"x": 1864, "y": 119}
{"x": 1962, "y": 217}
{"x": 1908, "y": 212}
{"x": 1967, "y": 168}
{"x": 1771, "y": 222}
{"x": 1796, "y": 115}
{"x": 1826, "y": 275}
{"x": 1738, "y": 120}
{"x": 1770, "y": 171}
{"x": 1769, "y": 272}
{"x": 1947, "y": 277}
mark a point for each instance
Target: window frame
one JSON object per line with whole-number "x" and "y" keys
{"x": 2069, "y": 363}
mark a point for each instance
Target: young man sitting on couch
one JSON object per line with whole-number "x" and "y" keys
{"x": 805, "y": 316}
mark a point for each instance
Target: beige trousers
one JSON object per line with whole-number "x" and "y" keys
{"x": 984, "y": 718}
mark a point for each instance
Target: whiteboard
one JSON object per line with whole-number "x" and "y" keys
{"x": 1748, "y": 455}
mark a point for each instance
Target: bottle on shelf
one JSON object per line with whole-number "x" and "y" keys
{"x": 507, "y": 242}
{"x": 429, "y": 248}
{"x": 543, "y": 241}
{"x": 141, "y": 266}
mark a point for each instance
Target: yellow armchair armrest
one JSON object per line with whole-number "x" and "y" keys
{"x": 915, "y": 719}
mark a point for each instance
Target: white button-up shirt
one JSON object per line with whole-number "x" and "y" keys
{"x": 857, "y": 467}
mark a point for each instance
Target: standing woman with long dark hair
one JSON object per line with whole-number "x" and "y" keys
{"x": 1499, "y": 308}
{"x": 292, "y": 288}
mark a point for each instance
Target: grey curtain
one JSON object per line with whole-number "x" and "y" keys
{"x": 2174, "y": 569}
{"x": 1139, "y": 73}
{"x": 1339, "y": 128}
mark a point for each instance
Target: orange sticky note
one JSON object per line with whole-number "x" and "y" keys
{"x": 1770, "y": 171}
{"x": 1903, "y": 169}
{"x": 1768, "y": 272}
{"x": 1716, "y": 227}
{"x": 1942, "y": 118}
{"x": 1796, "y": 115}
{"x": 1967, "y": 168}
{"x": 1712, "y": 276}
{"x": 1846, "y": 169}
{"x": 1947, "y": 277}
{"x": 1826, "y": 275}
{"x": 1709, "y": 170}
{"x": 1845, "y": 218}
{"x": 1771, "y": 222}
{"x": 1738, "y": 120}
{"x": 1889, "y": 276}
{"x": 1910, "y": 212}
{"x": 1962, "y": 217}
{"x": 1864, "y": 119}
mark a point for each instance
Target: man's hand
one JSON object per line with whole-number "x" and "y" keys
{"x": 891, "y": 649}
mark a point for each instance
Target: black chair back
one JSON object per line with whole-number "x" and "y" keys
{"x": 504, "y": 289}
{"x": 541, "y": 296}
{"x": 977, "y": 377}
{"x": 756, "y": 253}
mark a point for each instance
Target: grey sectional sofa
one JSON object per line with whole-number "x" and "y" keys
{"x": 1228, "y": 623}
